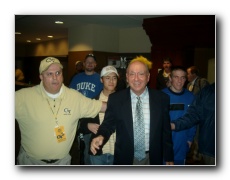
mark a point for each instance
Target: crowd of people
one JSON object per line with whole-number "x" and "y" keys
{"x": 132, "y": 125}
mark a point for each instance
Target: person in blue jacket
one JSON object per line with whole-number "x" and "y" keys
{"x": 180, "y": 99}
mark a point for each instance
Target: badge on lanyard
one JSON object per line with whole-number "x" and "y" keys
{"x": 60, "y": 133}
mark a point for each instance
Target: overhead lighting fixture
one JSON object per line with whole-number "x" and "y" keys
{"x": 50, "y": 36}
{"x": 38, "y": 39}
{"x": 59, "y": 22}
{"x": 28, "y": 40}
{"x": 18, "y": 33}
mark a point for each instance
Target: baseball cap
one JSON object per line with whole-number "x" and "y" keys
{"x": 77, "y": 62}
{"x": 45, "y": 63}
{"x": 107, "y": 70}
{"x": 92, "y": 56}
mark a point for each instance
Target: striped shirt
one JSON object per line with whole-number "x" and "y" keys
{"x": 145, "y": 104}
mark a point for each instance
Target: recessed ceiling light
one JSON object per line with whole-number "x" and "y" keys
{"x": 58, "y": 22}
{"x": 28, "y": 40}
{"x": 50, "y": 36}
{"x": 38, "y": 39}
{"x": 18, "y": 33}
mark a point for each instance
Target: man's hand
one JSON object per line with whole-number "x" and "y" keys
{"x": 93, "y": 127}
{"x": 172, "y": 126}
{"x": 96, "y": 143}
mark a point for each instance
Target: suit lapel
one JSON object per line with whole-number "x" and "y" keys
{"x": 127, "y": 113}
{"x": 154, "y": 114}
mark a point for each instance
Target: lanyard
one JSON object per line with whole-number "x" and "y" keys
{"x": 55, "y": 115}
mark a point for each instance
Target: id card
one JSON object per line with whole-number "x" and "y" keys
{"x": 60, "y": 133}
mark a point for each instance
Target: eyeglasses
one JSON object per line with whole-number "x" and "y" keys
{"x": 91, "y": 55}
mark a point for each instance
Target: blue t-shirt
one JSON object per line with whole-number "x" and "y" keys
{"x": 89, "y": 85}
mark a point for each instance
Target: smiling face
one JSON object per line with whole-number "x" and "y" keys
{"x": 110, "y": 82}
{"x": 177, "y": 79}
{"x": 137, "y": 76}
{"x": 52, "y": 78}
{"x": 90, "y": 64}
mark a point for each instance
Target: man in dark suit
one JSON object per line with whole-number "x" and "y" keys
{"x": 120, "y": 117}
{"x": 196, "y": 83}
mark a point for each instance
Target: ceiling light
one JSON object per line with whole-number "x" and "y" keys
{"x": 38, "y": 39}
{"x": 18, "y": 33}
{"x": 58, "y": 22}
{"x": 50, "y": 36}
{"x": 28, "y": 40}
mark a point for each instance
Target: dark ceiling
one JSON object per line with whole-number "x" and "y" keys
{"x": 40, "y": 26}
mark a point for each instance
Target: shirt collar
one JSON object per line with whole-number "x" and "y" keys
{"x": 53, "y": 96}
{"x": 144, "y": 94}
{"x": 193, "y": 82}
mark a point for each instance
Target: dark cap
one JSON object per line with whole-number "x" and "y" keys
{"x": 90, "y": 55}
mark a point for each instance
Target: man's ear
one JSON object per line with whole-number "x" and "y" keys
{"x": 41, "y": 77}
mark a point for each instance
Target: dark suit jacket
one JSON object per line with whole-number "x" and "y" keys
{"x": 161, "y": 80}
{"x": 199, "y": 84}
{"x": 118, "y": 116}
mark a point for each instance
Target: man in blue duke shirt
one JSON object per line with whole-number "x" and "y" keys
{"x": 89, "y": 84}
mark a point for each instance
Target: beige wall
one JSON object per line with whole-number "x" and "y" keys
{"x": 108, "y": 39}
{"x": 91, "y": 38}
{"x": 134, "y": 40}
{"x": 49, "y": 48}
